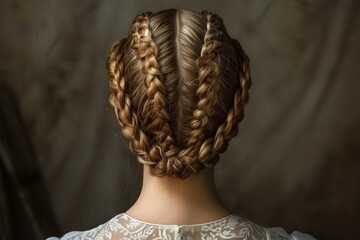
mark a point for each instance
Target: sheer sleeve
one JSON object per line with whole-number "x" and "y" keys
{"x": 301, "y": 236}
{"x": 278, "y": 233}
{"x": 67, "y": 236}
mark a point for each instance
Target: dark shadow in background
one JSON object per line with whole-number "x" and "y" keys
{"x": 25, "y": 209}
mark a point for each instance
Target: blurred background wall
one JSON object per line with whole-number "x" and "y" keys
{"x": 296, "y": 160}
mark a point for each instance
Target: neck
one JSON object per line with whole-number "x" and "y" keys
{"x": 170, "y": 200}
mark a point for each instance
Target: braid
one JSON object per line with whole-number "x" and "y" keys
{"x": 208, "y": 74}
{"x": 229, "y": 128}
{"x": 207, "y": 155}
{"x": 154, "y": 109}
{"x": 147, "y": 123}
{"x": 119, "y": 98}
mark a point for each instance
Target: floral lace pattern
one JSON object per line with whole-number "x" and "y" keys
{"x": 126, "y": 227}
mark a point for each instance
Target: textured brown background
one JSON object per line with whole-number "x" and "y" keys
{"x": 296, "y": 160}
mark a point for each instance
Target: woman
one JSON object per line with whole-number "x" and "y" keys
{"x": 179, "y": 85}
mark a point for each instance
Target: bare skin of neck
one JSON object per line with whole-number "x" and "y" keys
{"x": 169, "y": 200}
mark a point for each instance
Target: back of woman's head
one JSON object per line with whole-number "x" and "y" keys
{"x": 179, "y": 84}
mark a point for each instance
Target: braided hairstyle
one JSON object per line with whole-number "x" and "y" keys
{"x": 179, "y": 84}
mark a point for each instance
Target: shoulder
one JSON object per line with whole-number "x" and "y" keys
{"x": 296, "y": 235}
{"x": 103, "y": 230}
{"x": 246, "y": 229}
{"x": 280, "y": 233}
{"x": 249, "y": 228}
{"x": 277, "y": 233}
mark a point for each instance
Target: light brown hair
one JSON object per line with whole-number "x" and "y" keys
{"x": 179, "y": 84}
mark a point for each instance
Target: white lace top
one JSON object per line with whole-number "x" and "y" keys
{"x": 126, "y": 227}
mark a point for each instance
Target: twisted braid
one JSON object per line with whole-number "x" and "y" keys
{"x": 208, "y": 75}
{"x": 154, "y": 109}
{"x": 119, "y": 98}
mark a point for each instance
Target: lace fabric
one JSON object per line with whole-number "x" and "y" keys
{"x": 125, "y": 227}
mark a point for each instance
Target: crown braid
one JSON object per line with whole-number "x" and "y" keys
{"x": 154, "y": 109}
